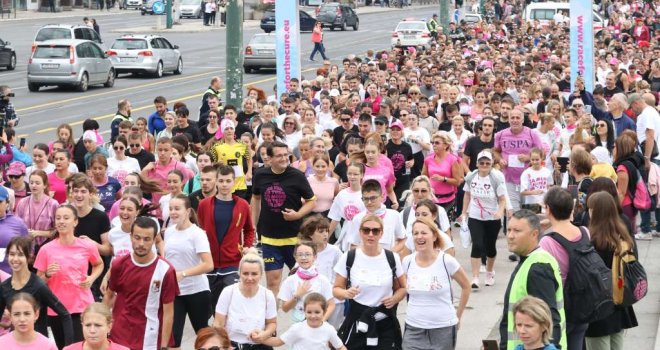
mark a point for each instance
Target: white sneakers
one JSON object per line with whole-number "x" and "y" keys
{"x": 475, "y": 283}
{"x": 643, "y": 236}
{"x": 490, "y": 278}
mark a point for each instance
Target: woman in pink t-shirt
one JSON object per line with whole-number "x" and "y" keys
{"x": 62, "y": 264}
{"x": 325, "y": 187}
{"x": 23, "y": 312}
{"x": 38, "y": 210}
{"x": 445, "y": 171}
{"x": 96, "y": 325}
{"x": 57, "y": 178}
{"x": 377, "y": 170}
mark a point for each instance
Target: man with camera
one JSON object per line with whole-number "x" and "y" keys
{"x": 8, "y": 116}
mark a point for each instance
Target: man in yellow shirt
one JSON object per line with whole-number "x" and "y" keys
{"x": 234, "y": 154}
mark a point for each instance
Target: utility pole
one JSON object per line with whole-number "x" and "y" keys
{"x": 168, "y": 11}
{"x": 234, "y": 90}
{"x": 444, "y": 16}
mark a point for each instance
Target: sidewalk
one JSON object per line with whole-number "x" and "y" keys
{"x": 82, "y": 12}
{"x": 196, "y": 26}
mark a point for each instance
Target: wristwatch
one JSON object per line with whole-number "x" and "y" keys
{"x": 445, "y": 179}
{"x": 184, "y": 274}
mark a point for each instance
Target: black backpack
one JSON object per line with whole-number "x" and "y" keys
{"x": 588, "y": 287}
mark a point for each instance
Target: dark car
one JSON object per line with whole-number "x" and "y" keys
{"x": 7, "y": 55}
{"x": 335, "y": 15}
{"x": 268, "y": 21}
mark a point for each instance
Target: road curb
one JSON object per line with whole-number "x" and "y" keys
{"x": 200, "y": 28}
{"x": 63, "y": 14}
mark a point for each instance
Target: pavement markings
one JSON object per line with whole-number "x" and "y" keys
{"x": 111, "y": 91}
{"x": 141, "y": 108}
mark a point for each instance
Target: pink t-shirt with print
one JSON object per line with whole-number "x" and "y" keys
{"x": 381, "y": 173}
{"x": 8, "y": 341}
{"x": 512, "y": 145}
{"x": 73, "y": 260}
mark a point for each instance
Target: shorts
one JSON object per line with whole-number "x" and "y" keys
{"x": 276, "y": 256}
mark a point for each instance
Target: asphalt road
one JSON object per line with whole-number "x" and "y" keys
{"x": 204, "y": 56}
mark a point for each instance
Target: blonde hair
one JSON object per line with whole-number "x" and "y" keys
{"x": 437, "y": 240}
{"x": 371, "y": 217}
{"x": 98, "y": 308}
{"x": 406, "y": 195}
{"x": 539, "y": 311}
{"x": 252, "y": 257}
{"x": 444, "y": 137}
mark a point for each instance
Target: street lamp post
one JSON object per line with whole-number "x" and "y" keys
{"x": 444, "y": 16}
{"x": 234, "y": 90}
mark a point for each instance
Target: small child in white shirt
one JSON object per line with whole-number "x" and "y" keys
{"x": 535, "y": 181}
{"x": 314, "y": 333}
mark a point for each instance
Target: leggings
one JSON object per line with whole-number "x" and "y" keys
{"x": 195, "y": 305}
{"x": 55, "y": 324}
{"x": 484, "y": 237}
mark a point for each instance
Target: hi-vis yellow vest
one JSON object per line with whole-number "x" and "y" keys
{"x": 519, "y": 290}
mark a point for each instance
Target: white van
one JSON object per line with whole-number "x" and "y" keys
{"x": 545, "y": 12}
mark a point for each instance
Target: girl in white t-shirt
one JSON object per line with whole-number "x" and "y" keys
{"x": 187, "y": 249}
{"x": 347, "y": 203}
{"x": 315, "y": 229}
{"x": 314, "y": 333}
{"x": 306, "y": 279}
{"x": 534, "y": 182}
{"x": 429, "y": 272}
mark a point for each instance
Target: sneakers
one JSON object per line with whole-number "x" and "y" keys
{"x": 482, "y": 269}
{"x": 643, "y": 236}
{"x": 490, "y": 278}
{"x": 475, "y": 283}
{"x": 656, "y": 234}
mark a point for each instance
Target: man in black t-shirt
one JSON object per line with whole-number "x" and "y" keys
{"x": 136, "y": 151}
{"x": 346, "y": 119}
{"x": 401, "y": 155}
{"x": 476, "y": 144}
{"x": 184, "y": 127}
{"x": 610, "y": 87}
{"x": 281, "y": 197}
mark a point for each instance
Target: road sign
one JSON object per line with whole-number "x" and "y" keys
{"x": 158, "y": 7}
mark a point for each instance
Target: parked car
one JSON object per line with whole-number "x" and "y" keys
{"x": 306, "y": 21}
{"x": 335, "y": 15}
{"x": 411, "y": 33}
{"x": 7, "y": 55}
{"x": 134, "y": 4}
{"x": 66, "y": 31}
{"x": 191, "y": 8}
{"x": 151, "y": 54}
{"x": 260, "y": 52}
{"x": 147, "y": 7}
{"x": 69, "y": 62}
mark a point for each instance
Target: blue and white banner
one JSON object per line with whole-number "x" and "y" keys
{"x": 582, "y": 43}
{"x": 287, "y": 29}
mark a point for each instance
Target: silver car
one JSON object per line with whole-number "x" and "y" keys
{"x": 73, "y": 62}
{"x": 66, "y": 31}
{"x": 260, "y": 52}
{"x": 191, "y": 8}
{"x": 151, "y": 54}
